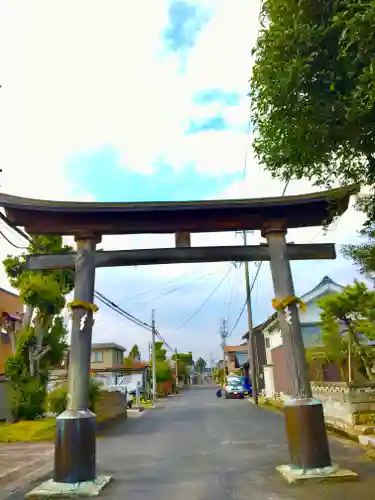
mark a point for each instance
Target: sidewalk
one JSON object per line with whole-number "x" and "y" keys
{"x": 21, "y": 463}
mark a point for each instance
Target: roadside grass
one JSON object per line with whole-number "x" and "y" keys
{"x": 28, "y": 431}
{"x": 147, "y": 404}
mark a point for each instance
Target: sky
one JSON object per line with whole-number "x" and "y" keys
{"x": 142, "y": 101}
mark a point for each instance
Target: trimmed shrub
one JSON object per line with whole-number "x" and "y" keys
{"x": 28, "y": 399}
{"x": 57, "y": 400}
{"x": 58, "y": 397}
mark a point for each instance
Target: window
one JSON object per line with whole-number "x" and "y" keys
{"x": 267, "y": 342}
{"x": 119, "y": 358}
{"x": 97, "y": 357}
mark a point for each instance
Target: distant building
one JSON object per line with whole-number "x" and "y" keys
{"x": 235, "y": 357}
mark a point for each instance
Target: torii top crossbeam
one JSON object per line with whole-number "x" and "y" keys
{"x": 82, "y": 218}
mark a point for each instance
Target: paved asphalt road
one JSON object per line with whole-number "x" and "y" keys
{"x": 195, "y": 447}
{"x": 199, "y": 448}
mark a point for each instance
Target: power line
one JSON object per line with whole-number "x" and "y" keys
{"x": 164, "y": 341}
{"x": 205, "y": 301}
{"x": 176, "y": 289}
{"x": 11, "y": 243}
{"x": 154, "y": 288}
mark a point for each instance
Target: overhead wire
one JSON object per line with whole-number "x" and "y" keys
{"x": 205, "y": 301}
{"x": 183, "y": 285}
{"x": 11, "y": 242}
{"x": 154, "y": 288}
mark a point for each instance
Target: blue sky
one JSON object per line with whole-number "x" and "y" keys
{"x": 137, "y": 107}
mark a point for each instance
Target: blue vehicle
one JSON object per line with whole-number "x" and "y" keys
{"x": 246, "y": 384}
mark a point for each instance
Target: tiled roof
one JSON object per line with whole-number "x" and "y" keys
{"x": 325, "y": 281}
{"x": 108, "y": 345}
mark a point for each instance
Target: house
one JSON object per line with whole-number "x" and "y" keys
{"x": 107, "y": 355}
{"x": 260, "y": 356}
{"x": 275, "y": 374}
{"x": 11, "y": 311}
{"x": 235, "y": 357}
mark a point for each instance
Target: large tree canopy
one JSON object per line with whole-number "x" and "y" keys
{"x": 313, "y": 98}
{"x": 313, "y": 90}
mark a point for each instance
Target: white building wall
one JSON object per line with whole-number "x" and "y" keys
{"x": 312, "y": 313}
{"x": 273, "y": 339}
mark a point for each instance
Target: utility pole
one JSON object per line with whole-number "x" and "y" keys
{"x": 153, "y": 358}
{"x": 251, "y": 342}
{"x": 176, "y": 365}
{"x": 224, "y": 335}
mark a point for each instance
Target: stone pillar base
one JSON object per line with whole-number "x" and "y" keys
{"x": 327, "y": 474}
{"x": 51, "y": 489}
{"x": 75, "y": 447}
{"x": 307, "y": 436}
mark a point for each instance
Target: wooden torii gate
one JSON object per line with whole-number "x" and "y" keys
{"x": 75, "y": 460}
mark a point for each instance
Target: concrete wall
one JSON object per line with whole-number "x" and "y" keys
{"x": 5, "y": 407}
{"x": 346, "y": 405}
{"x": 110, "y": 406}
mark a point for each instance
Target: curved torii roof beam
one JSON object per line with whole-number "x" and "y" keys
{"x": 81, "y": 218}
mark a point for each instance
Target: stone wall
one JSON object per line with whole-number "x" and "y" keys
{"x": 110, "y": 406}
{"x": 346, "y": 405}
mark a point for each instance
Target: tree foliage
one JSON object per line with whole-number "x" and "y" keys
{"x": 364, "y": 254}
{"x": 135, "y": 353}
{"x": 200, "y": 365}
{"x": 41, "y": 339}
{"x": 313, "y": 97}
{"x": 160, "y": 353}
{"x": 313, "y": 90}
{"x": 163, "y": 371}
{"x": 43, "y": 293}
{"x": 348, "y": 322}
{"x": 185, "y": 361}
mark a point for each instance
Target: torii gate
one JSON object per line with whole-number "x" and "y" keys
{"x": 75, "y": 460}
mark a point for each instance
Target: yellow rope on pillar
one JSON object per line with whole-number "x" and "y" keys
{"x": 281, "y": 304}
{"x": 75, "y": 304}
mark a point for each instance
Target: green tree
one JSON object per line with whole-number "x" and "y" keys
{"x": 163, "y": 371}
{"x": 364, "y": 254}
{"x": 184, "y": 361}
{"x": 43, "y": 293}
{"x": 347, "y": 320}
{"x": 160, "y": 353}
{"x": 135, "y": 353}
{"x": 313, "y": 97}
{"x": 200, "y": 365}
{"x": 41, "y": 338}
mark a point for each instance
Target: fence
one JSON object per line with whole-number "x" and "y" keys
{"x": 346, "y": 405}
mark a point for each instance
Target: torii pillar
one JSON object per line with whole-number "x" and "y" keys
{"x": 304, "y": 418}
{"x": 75, "y": 460}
